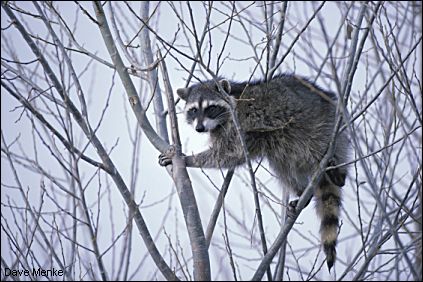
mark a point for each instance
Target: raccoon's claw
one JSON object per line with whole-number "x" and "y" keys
{"x": 292, "y": 208}
{"x": 166, "y": 158}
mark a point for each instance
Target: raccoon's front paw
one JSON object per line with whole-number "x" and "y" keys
{"x": 166, "y": 158}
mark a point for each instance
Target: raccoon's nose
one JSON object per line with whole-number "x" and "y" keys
{"x": 200, "y": 128}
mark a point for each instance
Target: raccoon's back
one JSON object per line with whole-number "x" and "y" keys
{"x": 282, "y": 105}
{"x": 286, "y": 118}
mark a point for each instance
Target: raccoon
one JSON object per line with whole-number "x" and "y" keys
{"x": 287, "y": 120}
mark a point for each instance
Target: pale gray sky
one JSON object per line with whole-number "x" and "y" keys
{"x": 154, "y": 184}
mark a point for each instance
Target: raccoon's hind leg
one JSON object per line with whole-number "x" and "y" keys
{"x": 291, "y": 178}
{"x": 328, "y": 203}
{"x": 337, "y": 175}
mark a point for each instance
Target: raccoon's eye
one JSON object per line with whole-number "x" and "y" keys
{"x": 192, "y": 112}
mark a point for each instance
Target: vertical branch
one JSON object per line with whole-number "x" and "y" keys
{"x": 133, "y": 97}
{"x": 228, "y": 245}
{"x": 147, "y": 52}
{"x": 186, "y": 193}
{"x": 279, "y": 32}
{"x": 278, "y": 276}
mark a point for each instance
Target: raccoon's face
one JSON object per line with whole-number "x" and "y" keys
{"x": 206, "y": 115}
{"x": 205, "y": 109}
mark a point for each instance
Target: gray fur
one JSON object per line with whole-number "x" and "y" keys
{"x": 289, "y": 121}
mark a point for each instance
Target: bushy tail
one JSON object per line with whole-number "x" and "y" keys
{"x": 328, "y": 199}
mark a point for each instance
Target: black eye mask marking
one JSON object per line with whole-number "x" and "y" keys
{"x": 214, "y": 111}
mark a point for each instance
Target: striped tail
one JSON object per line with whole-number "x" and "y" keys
{"x": 328, "y": 199}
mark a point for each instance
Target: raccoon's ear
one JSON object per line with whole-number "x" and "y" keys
{"x": 183, "y": 93}
{"x": 226, "y": 85}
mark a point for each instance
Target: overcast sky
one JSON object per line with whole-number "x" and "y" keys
{"x": 160, "y": 205}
